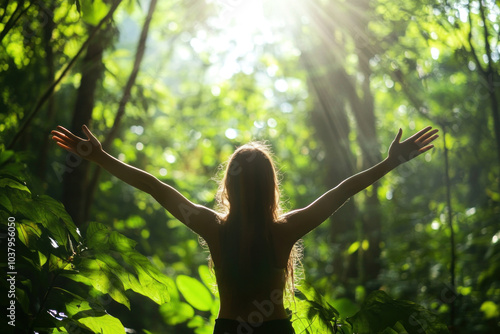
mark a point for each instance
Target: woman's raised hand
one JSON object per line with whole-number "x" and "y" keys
{"x": 400, "y": 152}
{"x": 89, "y": 148}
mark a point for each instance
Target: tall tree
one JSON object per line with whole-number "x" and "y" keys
{"x": 92, "y": 69}
{"x": 363, "y": 108}
{"x": 127, "y": 91}
{"x": 47, "y": 15}
{"x": 340, "y": 96}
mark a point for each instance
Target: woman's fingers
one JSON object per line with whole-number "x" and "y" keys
{"x": 426, "y": 148}
{"x": 425, "y": 136}
{"x": 62, "y": 136}
{"x": 421, "y": 132}
{"x": 90, "y": 135}
{"x": 87, "y": 131}
{"x": 65, "y": 147}
{"x": 429, "y": 140}
{"x": 59, "y": 137}
{"x": 398, "y": 136}
{"x": 86, "y": 148}
{"x": 64, "y": 143}
{"x": 68, "y": 133}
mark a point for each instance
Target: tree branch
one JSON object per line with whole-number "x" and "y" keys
{"x": 50, "y": 90}
{"x": 490, "y": 80}
{"x": 450, "y": 225}
{"x": 473, "y": 50}
{"x": 123, "y": 102}
{"x": 13, "y": 20}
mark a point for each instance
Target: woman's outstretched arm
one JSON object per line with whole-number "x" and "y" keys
{"x": 199, "y": 218}
{"x": 301, "y": 221}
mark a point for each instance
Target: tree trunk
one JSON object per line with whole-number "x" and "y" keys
{"x": 364, "y": 112}
{"x": 490, "y": 75}
{"x": 75, "y": 182}
{"x": 49, "y": 60}
{"x": 330, "y": 120}
{"x": 106, "y": 144}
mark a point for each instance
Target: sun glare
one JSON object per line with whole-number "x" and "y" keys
{"x": 243, "y": 17}
{"x": 242, "y": 27}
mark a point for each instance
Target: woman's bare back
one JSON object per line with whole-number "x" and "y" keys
{"x": 257, "y": 302}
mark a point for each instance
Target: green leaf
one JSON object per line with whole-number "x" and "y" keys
{"x": 121, "y": 243}
{"x": 353, "y": 248}
{"x": 28, "y": 233}
{"x": 100, "y": 237}
{"x": 345, "y": 306}
{"x": 152, "y": 284}
{"x": 490, "y": 309}
{"x": 208, "y": 278}
{"x": 43, "y": 258}
{"x": 493, "y": 195}
{"x": 57, "y": 209}
{"x": 78, "y": 6}
{"x": 194, "y": 292}
{"x": 56, "y": 263}
{"x": 13, "y": 184}
{"x": 5, "y": 202}
{"x": 98, "y": 274}
{"x": 51, "y": 215}
{"x": 105, "y": 324}
{"x": 141, "y": 276}
{"x": 176, "y": 312}
{"x": 196, "y": 322}
{"x": 5, "y": 155}
{"x": 93, "y": 11}
{"x": 22, "y": 298}
{"x": 130, "y": 6}
{"x": 318, "y": 304}
{"x": 380, "y": 312}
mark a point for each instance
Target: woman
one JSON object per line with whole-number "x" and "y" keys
{"x": 251, "y": 242}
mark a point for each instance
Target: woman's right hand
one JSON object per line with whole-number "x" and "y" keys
{"x": 90, "y": 148}
{"x": 400, "y": 152}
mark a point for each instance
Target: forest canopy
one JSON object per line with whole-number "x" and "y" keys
{"x": 173, "y": 87}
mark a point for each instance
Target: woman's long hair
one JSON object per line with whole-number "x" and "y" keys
{"x": 249, "y": 201}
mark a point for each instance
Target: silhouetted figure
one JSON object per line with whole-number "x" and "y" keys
{"x": 251, "y": 242}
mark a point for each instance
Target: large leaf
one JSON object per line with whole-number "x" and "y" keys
{"x": 98, "y": 274}
{"x": 381, "y": 311}
{"x": 5, "y": 202}
{"x": 105, "y": 324}
{"x": 318, "y": 306}
{"x": 194, "y": 292}
{"x": 56, "y": 263}
{"x": 28, "y": 233}
{"x": 101, "y": 237}
{"x": 120, "y": 262}
{"x": 58, "y": 210}
{"x": 13, "y": 184}
{"x": 208, "y": 278}
{"x": 5, "y": 155}
{"x": 96, "y": 320}
{"x": 176, "y": 312}
{"x": 152, "y": 283}
{"x": 50, "y": 213}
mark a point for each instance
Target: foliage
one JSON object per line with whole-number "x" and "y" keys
{"x": 65, "y": 280}
{"x": 378, "y": 314}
